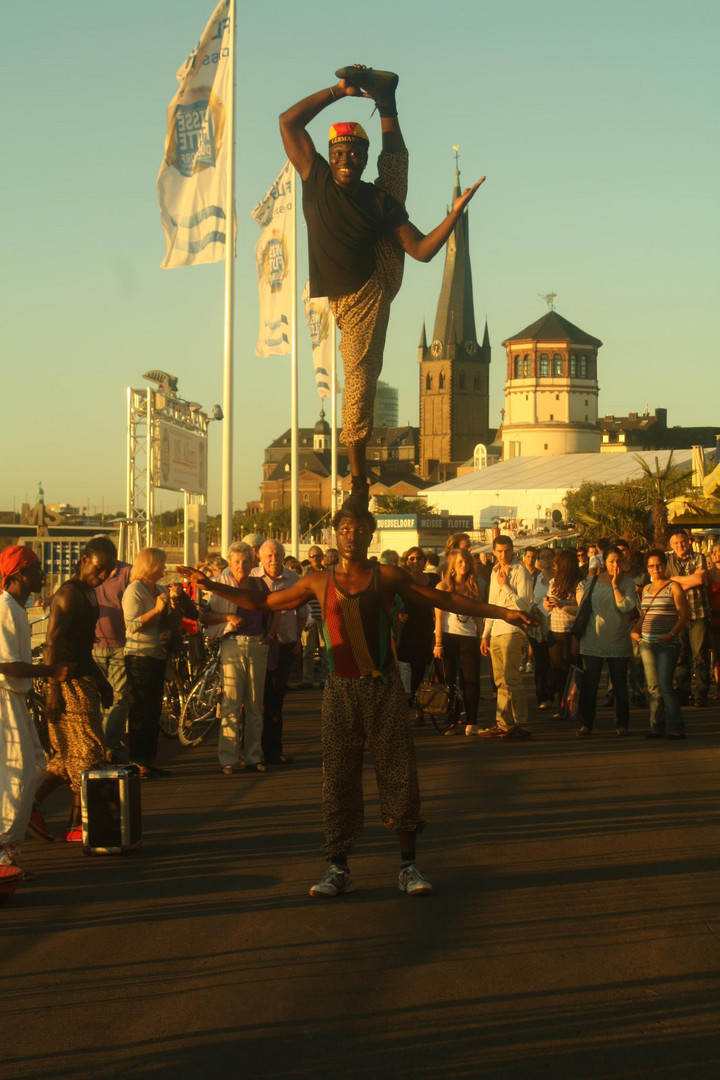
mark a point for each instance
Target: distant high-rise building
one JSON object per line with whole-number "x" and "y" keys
{"x": 386, "y": 406}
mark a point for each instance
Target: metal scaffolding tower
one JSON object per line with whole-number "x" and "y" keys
{"x": 149, "y": 412}
{"x": 136, "y": 532}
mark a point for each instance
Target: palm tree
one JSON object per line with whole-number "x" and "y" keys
{"x": 399, "y": 504}
{"x": 661, "y": 485}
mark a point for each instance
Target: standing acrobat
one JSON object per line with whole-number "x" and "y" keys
{"x": 364, "y": 703}
{"x": 357, "y": 236}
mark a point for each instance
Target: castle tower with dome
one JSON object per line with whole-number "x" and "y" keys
{"x": 551, "y": 390}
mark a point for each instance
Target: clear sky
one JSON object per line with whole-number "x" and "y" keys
{"x": 596, "y": 124}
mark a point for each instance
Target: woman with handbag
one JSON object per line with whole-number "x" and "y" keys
{"x": 457, "y": 637}
{"x": 602, "y": 634}
{"x": 561, "y": 602}
{"x": 151, "y": 616}
{"x": 664, "y": 614}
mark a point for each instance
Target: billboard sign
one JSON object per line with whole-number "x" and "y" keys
{"x": 179, "y": 458}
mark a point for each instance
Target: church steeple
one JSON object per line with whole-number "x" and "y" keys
{"x": 456, "y": 294}
{"x": 454, "y": 369}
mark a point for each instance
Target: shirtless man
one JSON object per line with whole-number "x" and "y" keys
{"x": 357, "y": 236}
{"x": 73, "y": 708}
{"x": 364, "y": 703}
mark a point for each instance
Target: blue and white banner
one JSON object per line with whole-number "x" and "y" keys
{"x": 192, "y": 182}
{"x": 275, "y": 214}
{"x": 322, "y": 331}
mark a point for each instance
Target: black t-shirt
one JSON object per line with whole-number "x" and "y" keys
{"x": 343, "y": 229}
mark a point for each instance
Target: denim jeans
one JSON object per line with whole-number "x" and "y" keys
{"x": 112, "y": 664}
{"x": 659, "y": 662}
{"x": 694, "y": 659}
{"x": 617, "y": 666}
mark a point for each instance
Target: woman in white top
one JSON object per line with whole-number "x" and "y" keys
{"x": 150, "y": 615}
{"x": 607, "y": 638}
{"x": 457, "y": 637}
{"x": 561, "y": 603}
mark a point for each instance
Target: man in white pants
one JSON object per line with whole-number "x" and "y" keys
{"x": 22, "y": 761}
{"x": 244, "y": 654}
{"x": 511, "y": 586}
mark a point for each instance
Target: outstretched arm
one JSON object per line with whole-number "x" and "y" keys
{"x": 253, "y": 599}
{"x": 425, "y": 247}
{"x": 299, "y": 147}
{"x": 409, "y": 590}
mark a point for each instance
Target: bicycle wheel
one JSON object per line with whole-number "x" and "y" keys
{"x": 172, "y": 707}
{"x": 36, "y": 707}
{"x": 202, "y": 708}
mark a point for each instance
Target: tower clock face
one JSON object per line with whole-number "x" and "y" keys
{"x": 436, "y": 348}
{"x": 470, "y": 347}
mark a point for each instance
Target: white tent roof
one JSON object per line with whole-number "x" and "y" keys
{"x": 566, "y": 471}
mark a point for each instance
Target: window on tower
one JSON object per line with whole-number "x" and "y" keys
{"x": 527, "y": 365}
{"x": 518, "y": 367}
{"x": 461, "y": 380}
{"x": 557, "y": 364}
{"x": 544, "y": 365}
{"x": 573, "y": 365}
{"x": 428, "y": 382}
{"x": 441, "y": 381}
{"x": 583, "y": 367}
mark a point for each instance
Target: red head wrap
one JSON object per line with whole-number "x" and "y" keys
{"x": 13, "y": 559}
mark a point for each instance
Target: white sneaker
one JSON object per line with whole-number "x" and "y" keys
{"x": 333, "y": 882}
{"x": 472, "y": 729}
{"x": 412, "y": 881}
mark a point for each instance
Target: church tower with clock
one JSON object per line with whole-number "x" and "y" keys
{"x": 454, "y": 368}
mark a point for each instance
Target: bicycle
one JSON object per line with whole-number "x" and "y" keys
{"x": 201, "y": 711}
{"x": 181, "y": 672}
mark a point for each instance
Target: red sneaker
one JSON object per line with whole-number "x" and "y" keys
{"x": 38, "y": 825}
{"x": 73, "y": 834}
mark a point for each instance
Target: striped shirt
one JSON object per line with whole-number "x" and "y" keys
{"x": 659, "y": 612}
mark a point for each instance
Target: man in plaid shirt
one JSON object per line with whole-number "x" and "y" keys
{"x": 689, "y": 571}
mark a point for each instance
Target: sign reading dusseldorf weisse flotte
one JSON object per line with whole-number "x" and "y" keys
{"x": 180, "y": 459}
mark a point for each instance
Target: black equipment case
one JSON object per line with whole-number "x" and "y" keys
{"x": 111, "y": 810}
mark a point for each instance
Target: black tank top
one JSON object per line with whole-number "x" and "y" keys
{"x": 78, "y": 645}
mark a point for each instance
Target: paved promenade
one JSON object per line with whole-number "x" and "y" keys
{"x": 574, "y": 931}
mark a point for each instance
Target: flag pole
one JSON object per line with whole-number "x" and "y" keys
{"x": 227, "y": 431}
{"x": 294, "y": 437}
{"x": 333, "y": 422}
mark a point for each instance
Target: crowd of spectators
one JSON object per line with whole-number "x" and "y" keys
{"x": 651, "y": 617}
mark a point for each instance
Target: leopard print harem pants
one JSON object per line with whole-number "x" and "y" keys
{"x": 363, "y": 316}
{"x": 357, "y": 713}
{"x": 77, "y": 737}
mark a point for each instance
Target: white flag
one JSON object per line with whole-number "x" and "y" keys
{"x": 320, "y": 324}
{"x": 275, "y": 214}
{"x": 192, "y": 182}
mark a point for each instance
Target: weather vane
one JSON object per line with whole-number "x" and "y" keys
{"x": 456, "y": 148}
{"x": 549, "y": 299}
